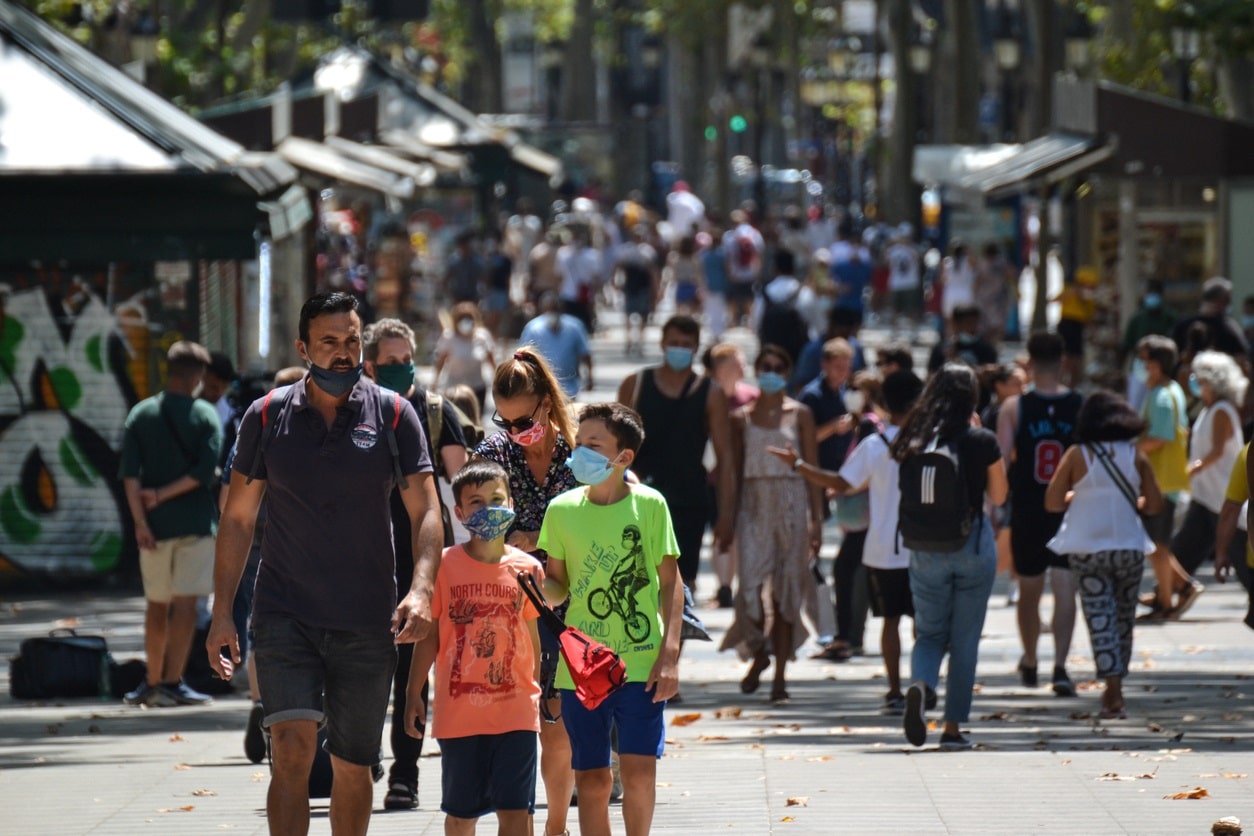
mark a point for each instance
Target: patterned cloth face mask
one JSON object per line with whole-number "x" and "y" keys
{"x": 490, "y": 522}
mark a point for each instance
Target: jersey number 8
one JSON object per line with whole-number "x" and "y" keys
{"x": 1048, "y": 455}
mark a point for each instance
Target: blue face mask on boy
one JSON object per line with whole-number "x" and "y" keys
{"x": 771, "y": 382}
{"x": 589, "y": 466}
{"x": 678, "y": 358}
{"x": 490, "y": 522}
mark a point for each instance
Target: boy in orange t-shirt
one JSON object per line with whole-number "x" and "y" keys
{"x": 485, "y": 647}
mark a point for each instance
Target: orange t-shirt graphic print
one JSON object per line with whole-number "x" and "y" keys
{"x": 485, "y": 659}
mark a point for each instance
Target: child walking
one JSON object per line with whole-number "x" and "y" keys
{"x": 612, "y": 548}
{"x": 1103, "y": 484}
{"x": 486, "y": 649}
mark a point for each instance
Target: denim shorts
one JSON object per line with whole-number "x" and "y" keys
{"x": 337, "y": 677}
{"x": 486, "y": 772}
{"x": 641, "y": 729}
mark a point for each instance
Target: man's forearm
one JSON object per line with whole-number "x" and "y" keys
{"x": 130, "y": 486}
{"x": 184, "y": 484}
{"x": 230, "y": 555}
{"x": 428, "y": 544}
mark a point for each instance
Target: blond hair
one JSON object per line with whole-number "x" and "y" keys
{"x": 528, "y": 373}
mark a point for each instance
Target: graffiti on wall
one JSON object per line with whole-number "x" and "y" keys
{"x": 66, "y": 385}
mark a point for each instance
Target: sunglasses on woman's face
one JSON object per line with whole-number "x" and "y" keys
{"x": 771, "y": 367}
{"x": 518, "y": 424}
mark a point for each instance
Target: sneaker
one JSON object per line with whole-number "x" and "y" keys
{"x": 1012, "y": 597}
{"x": 1063, "y": 686}
{"x": 1186, "y": 598}
{"x": 894, "y": 705}
{"x": 149, "y": 696}
{"x": 254, "y": 735}
{"x": 724, "y": 597}
{"x": 954, "y": 743}
{"x": 401, "y": 796}
{"x": 915, "y": 722}
{"x": 183, "y": 694}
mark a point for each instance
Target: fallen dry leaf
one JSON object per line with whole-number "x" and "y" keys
{"x": 203, "y": 793}
{"x": 1236, "y": 775}
{"x": 708, "y": 737}
{"x": 787, "y": 818}
{"x": 797, "y": 801}
{"x": 820, "y": 759}
{"x": 685, "y": 719}
{"x": 1196, "y": 792}
{"x": 663, "y": 784}
{"x": 177, "y": 738}
{"x": 787, "y": 757}
{"x": 65, "y": 624}
{"x": 259, "y": 776}
{"x": 186, "y": 808}
{"x": 728, "y": 713}
{"x": 182, "y": 766}
{"x": 1233, "y": 717}
{"x": 998, "y": 715}
{"x": 1081, "y": 715}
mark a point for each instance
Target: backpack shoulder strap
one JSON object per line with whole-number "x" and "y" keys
{"x": 435, "y": 419}
{"x": 401, "y": 481}
{"x": 267, "y": 431}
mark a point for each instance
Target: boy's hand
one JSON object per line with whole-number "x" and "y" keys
{"x": 415, "y": 708}
{"x": 663, "y": 679}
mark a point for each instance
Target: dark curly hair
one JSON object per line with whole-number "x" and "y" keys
{"x": 943, "y": 411}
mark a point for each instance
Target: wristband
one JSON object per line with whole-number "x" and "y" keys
{"x": 797, "y": 463}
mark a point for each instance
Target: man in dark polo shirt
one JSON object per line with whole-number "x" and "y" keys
{"x": 325, "y": 615}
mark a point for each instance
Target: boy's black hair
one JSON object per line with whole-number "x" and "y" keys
{"x": 898, "y": 353}
{"x": 1045, "y": 350}
{"x": 1106, "y": 416}
{"x": 785, "y": 262}
{"x": 623, "y": 422}
{"x": 682, "y": 324}
{"x": 478, "y": 472}
{"x": 901, "y": 389}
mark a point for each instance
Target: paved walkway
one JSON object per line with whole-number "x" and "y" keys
{"x": 826, "y": 763}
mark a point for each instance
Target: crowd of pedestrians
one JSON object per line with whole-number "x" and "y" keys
{"x": 371, "y": 534}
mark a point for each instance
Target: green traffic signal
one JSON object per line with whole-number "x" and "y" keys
{"x": 711, "y": 133}
{"x": 737, "y": 124}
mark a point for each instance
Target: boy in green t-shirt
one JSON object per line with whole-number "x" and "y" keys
{"x": 611, "y": 546}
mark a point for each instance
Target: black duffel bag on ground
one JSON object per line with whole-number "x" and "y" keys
{"x": 61, "y": 664}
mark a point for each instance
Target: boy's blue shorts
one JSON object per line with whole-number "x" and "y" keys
{"x": 487, "y": 772}
{"x": 641, "y": 729}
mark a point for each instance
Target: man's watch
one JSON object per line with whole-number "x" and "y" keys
{"x": 797, "y": 462}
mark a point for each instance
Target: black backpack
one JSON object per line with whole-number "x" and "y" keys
{"x": 783, "y": 325}
{"x": 935, "y": 511}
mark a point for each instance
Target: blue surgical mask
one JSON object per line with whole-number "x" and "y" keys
{"x": 771, "y": 382}
{"x": 398, "y": 377}
{"x": 335, "y": 383}
{"x": 967, "y": 339}
{"x": 678, "y": 359}
{"x": 1247, "y": 321}
{"x": 490, "y": 522}
{"x": 589, "y": 466}
{"x": 1195, "y": 386}
{"x": 1153, "y": 300}
{"x": 1139, "y": 373}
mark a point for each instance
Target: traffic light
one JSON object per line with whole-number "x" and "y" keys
{"x": 711, "y": 133}
{"x": 737, "y": 124}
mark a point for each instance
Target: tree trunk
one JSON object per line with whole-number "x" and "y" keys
{"x": 484, "y": 83}
{"x": 579, "y": 81}
{"x": 959, "y": 79}
{"x": 1236, "y": 86}
{"x": 897, "y": 193}
{"x": 1041, "y": 79}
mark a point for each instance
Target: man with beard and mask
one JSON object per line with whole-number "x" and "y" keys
{"x": 562, "y": 340}
{"x": 170, "y": 448}
{"x": 389, "y": 352}
{"x": 326, "y": 453}
{"x": 966, "y": 345}
{"x": 681, "y": 411}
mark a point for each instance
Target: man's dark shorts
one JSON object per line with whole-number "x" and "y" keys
{"x": 1160, "y": 525}
{"x": 1072, "y": 334}
{"x": 1031, "y": 557}
{"x": 487, "y": 772}
{"x": 740, "y": 292}
{"x": 889, "y": 592}
{"x": 340, "y": 678}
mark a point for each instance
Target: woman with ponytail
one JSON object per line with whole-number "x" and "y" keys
{"x": 948, "y": 463}
{"x": 533, "y": 444}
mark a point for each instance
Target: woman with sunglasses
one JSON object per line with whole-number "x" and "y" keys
{"x": 533, "y": 416}
{"x": 778, "y": 524}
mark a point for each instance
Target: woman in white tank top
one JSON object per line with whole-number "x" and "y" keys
{"x": 1103, "y": 484}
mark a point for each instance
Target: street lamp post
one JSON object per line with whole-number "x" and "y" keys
{"x": 1186, "y": 45}
{"x": 1078, "y": 44}
{"x": 1008, "y": 51}
{"x": 759, "y": 59}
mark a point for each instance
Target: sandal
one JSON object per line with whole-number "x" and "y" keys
{"x": 1113, "y": 714}
{"x": 779, "y": 696}
{"x": 753, "y": 679}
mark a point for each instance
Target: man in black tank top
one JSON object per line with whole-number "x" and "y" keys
{"x": 1034, "y": 430}
{"x": 681, "y": 410}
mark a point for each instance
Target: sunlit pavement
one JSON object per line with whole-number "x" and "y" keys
{"x": 826, "y": 762}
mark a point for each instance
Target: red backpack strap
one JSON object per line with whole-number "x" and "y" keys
{"x": 396, "y": 410}
{"x": 265, "y": 408}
